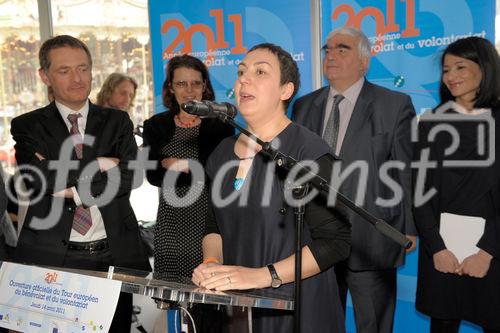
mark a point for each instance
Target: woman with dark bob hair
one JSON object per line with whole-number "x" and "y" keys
{"x": 461, "y": 282}
{"x": 176, "y": 139}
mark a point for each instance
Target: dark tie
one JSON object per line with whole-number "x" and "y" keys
{"x": 82, "y": 221}
{"x": 332, "y": 126}
{"x": 75, "y": 134}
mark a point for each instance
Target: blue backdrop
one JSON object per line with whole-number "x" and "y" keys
{"x": 220, "y": 32}
{"x": 407, "y": 36}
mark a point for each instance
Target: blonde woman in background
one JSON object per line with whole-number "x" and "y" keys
{"x": 117, "y": 92}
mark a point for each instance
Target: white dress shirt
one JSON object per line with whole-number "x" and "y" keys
{"x": 97, "y": 230}
{"x": 346, "y": 107}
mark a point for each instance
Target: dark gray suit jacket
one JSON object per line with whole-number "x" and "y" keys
{"x": 378, "y": 131}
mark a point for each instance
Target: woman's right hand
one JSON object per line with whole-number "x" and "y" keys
{"x": 445, "y": 261}
{"x": 198, "y": 275}
{"x": 175, "y": 164}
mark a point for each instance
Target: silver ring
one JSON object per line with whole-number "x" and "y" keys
{"x": 229, "y": 279}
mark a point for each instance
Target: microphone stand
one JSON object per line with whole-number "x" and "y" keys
{"x": 300, "y": 191}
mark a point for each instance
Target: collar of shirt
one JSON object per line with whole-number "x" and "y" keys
{"x": 65, "y": 112}
{"x": 350, "y": 94}
{"x": 460, "y": 109}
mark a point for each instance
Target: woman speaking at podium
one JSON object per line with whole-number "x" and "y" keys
{"x": 249, "y": 242}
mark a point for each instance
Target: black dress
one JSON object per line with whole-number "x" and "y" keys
{"x": 179, "y": 230}
{"x": 471, "y": 191}
{"x": 258, "y": 229}
{"x": 177, "y": 252}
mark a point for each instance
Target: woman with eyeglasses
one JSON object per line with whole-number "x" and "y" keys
{"x": 177, "y": 140}
{"x": 175, "y": 137}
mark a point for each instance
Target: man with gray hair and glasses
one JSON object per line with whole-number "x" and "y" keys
{"x": 367, "y": 126}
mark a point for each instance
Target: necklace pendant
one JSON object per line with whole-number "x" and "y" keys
{"x": 238, "y": 183}
{"x": 189, "y": 123}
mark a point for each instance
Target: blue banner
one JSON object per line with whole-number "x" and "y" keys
{"x": 407, "y": 39}
{"x": 221, "y": 32}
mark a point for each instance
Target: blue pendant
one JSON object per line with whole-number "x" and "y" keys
{"x": 238, "y": 183}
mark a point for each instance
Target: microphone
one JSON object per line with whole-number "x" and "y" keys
{"x": 209, "y": 109}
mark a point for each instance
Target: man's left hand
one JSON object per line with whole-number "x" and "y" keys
{"x": 66, "y": 193}
{"x": 413, "y": 243}
{"x": 106, "y": 163}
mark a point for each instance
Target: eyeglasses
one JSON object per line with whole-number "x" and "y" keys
{"x": 195, "y": 85}
{"x": 339, "y": 49}
{"x": 325, "y": 49}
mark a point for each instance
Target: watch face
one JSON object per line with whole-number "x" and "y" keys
{"x": 276, "y": 283}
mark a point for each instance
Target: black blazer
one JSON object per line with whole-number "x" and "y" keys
{"x": 159, "y": 130}
{"x": 378, "y": 131}
{"x": 487, "y": 179}
{"x": 43, "y": 131}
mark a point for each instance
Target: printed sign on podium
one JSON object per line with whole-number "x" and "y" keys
{"x": 34, "y": 299}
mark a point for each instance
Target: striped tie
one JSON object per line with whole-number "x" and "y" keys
{"x": 82, "y": 221}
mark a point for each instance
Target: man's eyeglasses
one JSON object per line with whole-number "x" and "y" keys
{"x": 195, "y": 85}
{"x": 337, "y": 49}
{"x": 325, "y": 49}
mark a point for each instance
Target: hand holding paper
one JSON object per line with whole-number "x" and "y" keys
{"x": 461, "y": 233}
{"x": 445, "y": 261}
{"x": 476, "y": 265}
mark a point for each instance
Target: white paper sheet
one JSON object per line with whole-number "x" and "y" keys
{"x": 461, "y": 233}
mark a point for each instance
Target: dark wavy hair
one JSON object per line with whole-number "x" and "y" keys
{"x": 289, "y": 71}
{"x": 185, "y": 61}
{"x": 482, "y": 52}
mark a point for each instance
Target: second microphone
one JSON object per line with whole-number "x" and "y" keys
{"x": 209, "y": 109}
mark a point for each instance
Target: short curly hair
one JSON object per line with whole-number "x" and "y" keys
{"x": 289, "y": 71}
{"x": 185, "y": 61}
{"x": 110, "y": 84}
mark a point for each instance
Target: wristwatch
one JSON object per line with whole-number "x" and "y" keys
{"x": 276, "y": 281}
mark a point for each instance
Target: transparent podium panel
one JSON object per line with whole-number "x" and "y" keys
{"x": 181, "y": 290}
{"x": 175, "y": 294}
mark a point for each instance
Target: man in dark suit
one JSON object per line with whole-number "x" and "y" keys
{"x": 367, "y": 125}
{"x": 71, "y": 221}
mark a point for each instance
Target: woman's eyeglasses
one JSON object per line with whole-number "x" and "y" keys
{"x": 195, "y": 85}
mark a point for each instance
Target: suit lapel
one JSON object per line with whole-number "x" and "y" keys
{"x": 95, "y": 121}
{"x": 360, "y": 115}
{"x": 54, "y": 123}
{"x": 318, "y": 114}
